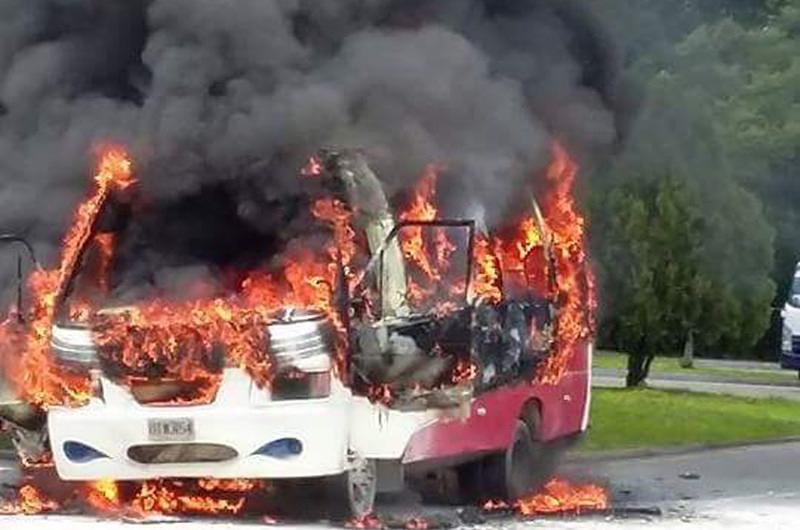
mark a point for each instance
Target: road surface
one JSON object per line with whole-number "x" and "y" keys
{"x": 600, "y": 379}
{"x": 751, "y": 487}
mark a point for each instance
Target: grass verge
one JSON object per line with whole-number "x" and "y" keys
{"x": 667, "y": 365}
{"x": 643, "y": 418}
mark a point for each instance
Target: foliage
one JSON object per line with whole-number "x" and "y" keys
{"x": 651, "y": 418}
{"x": 754, "y": 75}
{"x": 685, "y": 216}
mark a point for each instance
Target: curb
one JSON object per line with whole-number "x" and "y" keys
{"x": 742, "y": 390}
{"x": 652, "y": 452}
{"x": 696, "y": 378}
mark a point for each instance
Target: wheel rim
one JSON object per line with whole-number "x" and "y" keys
{"x": 361, "y": 482}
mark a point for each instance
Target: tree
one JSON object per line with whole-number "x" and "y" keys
{"x": 753, "y": 73}
{"x": 649, "y": 262}
{"x": 681, "y": 238}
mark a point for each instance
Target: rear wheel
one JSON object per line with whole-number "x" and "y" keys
{"x": 523, "y": 467}
{"x": 352, "y": 494}
{"x": 513, "y": 473}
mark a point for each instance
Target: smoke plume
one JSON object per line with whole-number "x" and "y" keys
{"x": 220, "y": 92}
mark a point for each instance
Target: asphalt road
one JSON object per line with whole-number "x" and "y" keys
{"x": 602, "y": 378}
{"x": 750, "y": 487}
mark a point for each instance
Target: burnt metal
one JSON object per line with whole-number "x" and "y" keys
{"x": 479, "y": 515}
{"x": 13, "y": 238}
{"x": 501, "y": 340}
{"x": 23, "y": 415}
{"x": 633, "y": 511}
{"x": 427, "y": 522}
{"x": 66, "y": 287}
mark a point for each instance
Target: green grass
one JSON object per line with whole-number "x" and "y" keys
{"x": 662, "y": 365}
{"x": 642, "y": 418}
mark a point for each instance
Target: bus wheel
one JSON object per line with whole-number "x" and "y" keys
{"x": 513, "y": 473}
{"x": 351, "y": 495}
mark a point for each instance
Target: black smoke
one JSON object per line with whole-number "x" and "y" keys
{"x": 238, "y": 93}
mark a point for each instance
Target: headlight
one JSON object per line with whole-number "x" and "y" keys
{"x": 301, "y": 347}
{"x": 73, "y": 346}
{"x": 302, "y": 342}
{"x": 786, "y": 339}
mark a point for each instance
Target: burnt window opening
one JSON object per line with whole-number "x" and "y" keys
{"x": 195, "y": 246}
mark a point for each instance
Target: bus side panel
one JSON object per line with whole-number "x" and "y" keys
{"x": 493, "y": 417}
{"x": 488, "y": 427}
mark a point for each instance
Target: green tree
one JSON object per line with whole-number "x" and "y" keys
{"x": 752, "y": 74}
{"x": 682, "y": 246}
{"x": 649, "y": 261}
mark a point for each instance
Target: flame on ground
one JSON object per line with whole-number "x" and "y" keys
{"x": 558, "y": 496}
{"x": 173, "y": 497}
{"x": 29, "y": 501}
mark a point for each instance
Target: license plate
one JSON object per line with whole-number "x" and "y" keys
{"x": 170, "y": 430}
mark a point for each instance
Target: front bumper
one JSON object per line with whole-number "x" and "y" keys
{"x": 238, "y": 419}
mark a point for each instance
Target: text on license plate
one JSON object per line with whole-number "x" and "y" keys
{"x": 170, "y": 430}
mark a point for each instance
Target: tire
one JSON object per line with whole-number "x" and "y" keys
{"x": 351, "y": 495}
{"x": 525, "y": 466}
{"x": 512, "y": 473}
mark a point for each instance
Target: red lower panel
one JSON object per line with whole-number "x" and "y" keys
{"x": 494, "y": 414}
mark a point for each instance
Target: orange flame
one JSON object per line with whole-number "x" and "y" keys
{"x": 35, "y": 378}
{"x": 103, "y": 496}
{"x": 557, "y": 496}
{"x": 169, "y": 497}
{"x": 180, "y": 340}
{"x": 576, "y": 286}
{"x": 487, "y": 272}
{"x": 422, "y": 208}
{"x": 30, "y": 501}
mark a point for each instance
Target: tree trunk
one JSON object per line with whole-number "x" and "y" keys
{"x": 687, "y": 361}
{"x": 638, "y": 368}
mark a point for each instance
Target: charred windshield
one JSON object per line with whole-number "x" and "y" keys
{"x": 196, "y": 246}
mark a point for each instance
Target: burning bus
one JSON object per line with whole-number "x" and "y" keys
{"x": 371, "y": 344}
